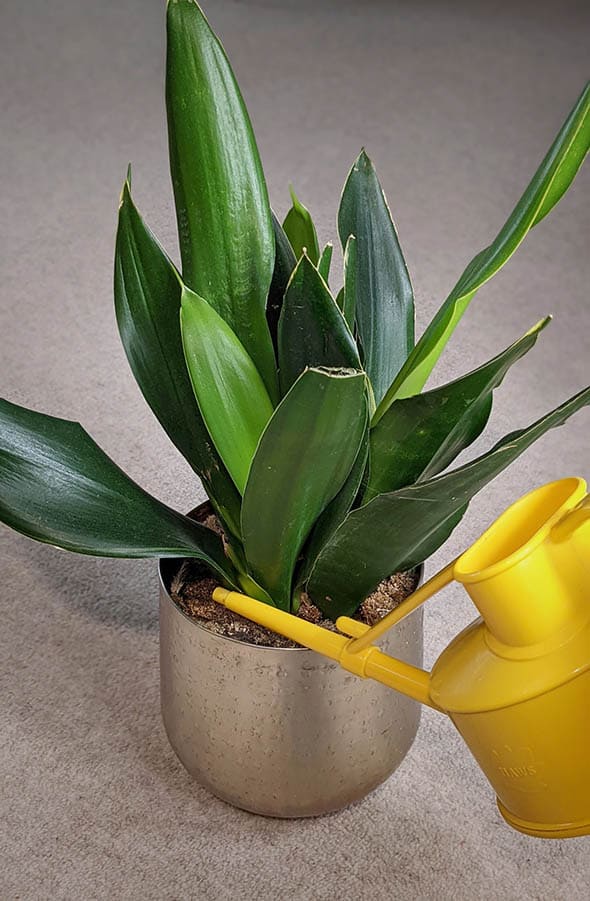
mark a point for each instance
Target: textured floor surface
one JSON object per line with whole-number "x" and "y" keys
{"x": 456, "y": 103}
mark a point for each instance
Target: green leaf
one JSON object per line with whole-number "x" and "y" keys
{"x": 300, "y": 230}
{"x": 250, "y": 587}
{"x": 304, "y": 457}
{"x": 312, "y": 330}
{"x": 224, "y": 220}
{"x": 349, "y": 289}
{"x": 335, "y": 512}
{"x": 550, "y": 182}
{"x": 398, "y": 530}
{"x": 420, "y": 436}
{"x": 231, "y": 395}
{"x": 285, "y": 263}
{"x": 325, "y": 261}
{"x": 384, "y": 298}
{"x": 57, "y": 486}
{"x": 147, "y": 304}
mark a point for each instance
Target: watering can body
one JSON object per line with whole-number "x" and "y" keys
{"x": 534, "y": 753}
{"x": 516, "y": 682}
{"x": 527, "y": 723}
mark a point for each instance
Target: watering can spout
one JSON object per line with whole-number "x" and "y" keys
{"x": 369, "y": 663}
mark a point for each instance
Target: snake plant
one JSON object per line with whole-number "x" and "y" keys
{"x": 300, "y": 409}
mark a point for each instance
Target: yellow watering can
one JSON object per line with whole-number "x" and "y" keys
{"x": 516, "y": 682}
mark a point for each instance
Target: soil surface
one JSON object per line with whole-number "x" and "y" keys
{"x": 191, "y": 588}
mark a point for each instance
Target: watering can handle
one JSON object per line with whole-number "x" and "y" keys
{"x": 432, "y": 586}
{"x": 572, "y": 521}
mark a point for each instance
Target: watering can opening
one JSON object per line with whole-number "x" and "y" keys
{"x": 526, "y": 583}
{"x": 519, "y": 530}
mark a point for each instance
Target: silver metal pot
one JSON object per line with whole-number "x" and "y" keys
{"x": 278, "y": 731}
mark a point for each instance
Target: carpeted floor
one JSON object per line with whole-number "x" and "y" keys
{"x": 456, "y": 103}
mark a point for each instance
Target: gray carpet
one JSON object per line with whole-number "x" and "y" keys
{"x": 456, "y": 102}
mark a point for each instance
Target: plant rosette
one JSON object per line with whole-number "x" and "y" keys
{"x": 303, "y": 411}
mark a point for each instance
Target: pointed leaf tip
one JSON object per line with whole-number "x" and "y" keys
{"x": 300, "y": 230}
{"x": 224, "y": 221}
{"x": 125, "y": 194}
{"x": 384, "y": 300}
{"x": 325, "y": 261}
{"x": 364, "y": 158}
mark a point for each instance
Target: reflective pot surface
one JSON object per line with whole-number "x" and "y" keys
{"x": 278, "y": 731}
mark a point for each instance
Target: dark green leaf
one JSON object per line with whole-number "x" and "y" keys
{"x": 224, "y": 221}
{"x": 304, "y": 457}
{"x": 285, "y": 263}
{"x": 300, "y": 230}
{"x": 398, "y": 530}
{"x": 57, "y": 486}
{"x": 384, "y": 298}
{"x": 312, "y": 330}
{"x": 335, "y": 512}
{"x": 147, "y": 304}
{"x": 550, "y": 182}
{"x": 230, "y": 392}
{"x": 324, "y": 263}
{"x": 420, "y": 436}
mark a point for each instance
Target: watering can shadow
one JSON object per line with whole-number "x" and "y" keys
{"x": 516, "y": 682}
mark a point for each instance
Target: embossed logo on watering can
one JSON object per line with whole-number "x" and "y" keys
{"x": 520, "y": 766}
